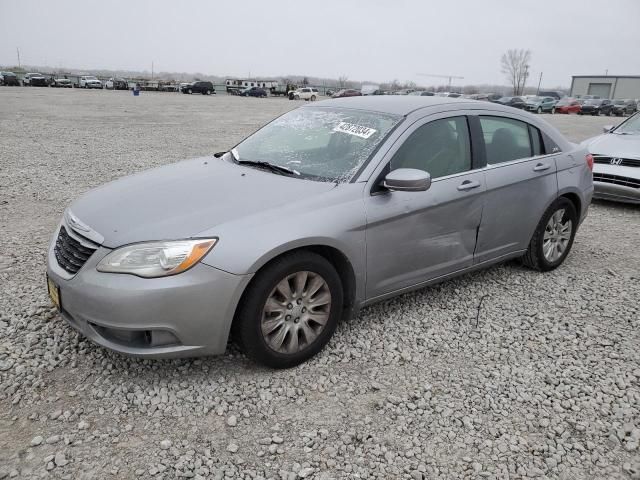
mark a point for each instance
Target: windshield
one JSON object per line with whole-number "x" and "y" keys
{"x": 619, "y": 102}
{"x": 328, "y": 144}
{"x": 534, "y": 99}
{"x": 91, "y": 78}
{"x": 504, "y": 99}
{"x": 592, "y": 102}
{"x": 630, "y": 126}
{"x": 564, "y": 101}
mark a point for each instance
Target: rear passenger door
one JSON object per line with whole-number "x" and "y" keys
{"x": 521, "y": 182}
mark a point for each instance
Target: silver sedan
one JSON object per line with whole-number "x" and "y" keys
{"x": 329, "y": 208}
{"x": 616, "y": 173}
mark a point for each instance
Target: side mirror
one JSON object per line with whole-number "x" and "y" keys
{"x": 607, "y": 128}
{"x": 408, "y": 180}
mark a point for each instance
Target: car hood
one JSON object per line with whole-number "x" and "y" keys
{"x": 613, "y": 145}
{"x": 183, "y": 199}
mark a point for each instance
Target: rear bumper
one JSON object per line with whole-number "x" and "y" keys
{"x": 184, "y": 315}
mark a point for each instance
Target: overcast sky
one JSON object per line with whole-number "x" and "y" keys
{"x": 365, "y": 40}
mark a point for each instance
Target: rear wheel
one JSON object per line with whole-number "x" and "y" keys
{"x": 189, "y": 91}
{"x": 553, "y": 110}
{"x": 313, "y": 98}
{"x": 553, "y": 237}
{"x": 290, "y": 310}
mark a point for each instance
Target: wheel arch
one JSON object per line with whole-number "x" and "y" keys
{"x": 336, "y": 257}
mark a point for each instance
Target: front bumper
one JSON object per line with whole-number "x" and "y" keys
{"x": 184, "y": 315}
{"x": 616, "y": 193}
{"x": 616, "y": 183}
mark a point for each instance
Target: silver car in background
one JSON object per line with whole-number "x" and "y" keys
{"x": 329, "y": 208}
{"x": 616, "y": 153}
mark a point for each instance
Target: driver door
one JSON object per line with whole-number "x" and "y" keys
{"x": 415, "y": 237}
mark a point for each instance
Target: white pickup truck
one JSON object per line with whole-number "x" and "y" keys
{"x": 305, "y": 93}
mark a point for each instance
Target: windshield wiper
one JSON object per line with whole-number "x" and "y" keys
{"x": 269, "y": 166}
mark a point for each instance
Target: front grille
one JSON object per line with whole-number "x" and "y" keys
{"x": 624, "y": 162}
{"x": 70, "y": 253}
{"x": 616, "y": 180}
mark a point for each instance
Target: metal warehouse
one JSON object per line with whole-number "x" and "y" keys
{"x": 607, "y": 86}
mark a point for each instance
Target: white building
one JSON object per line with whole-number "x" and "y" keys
{"x": 608, "y": 86}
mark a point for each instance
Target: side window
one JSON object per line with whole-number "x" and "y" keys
{"x": 505, "y": 139}
{"x": 536, "y": 141}
{"x": 440, "y": 147}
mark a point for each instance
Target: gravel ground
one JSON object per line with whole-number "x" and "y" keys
{"x": 542, "y": 383}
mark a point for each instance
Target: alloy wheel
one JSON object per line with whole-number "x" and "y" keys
{"x": 557, "y": 235}
{"x": 295, "y": 312}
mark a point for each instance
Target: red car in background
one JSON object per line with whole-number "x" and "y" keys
{"x": 568, "y": 105}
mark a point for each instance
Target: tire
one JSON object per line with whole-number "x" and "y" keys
{"x": 206, "y": 92}
{"x": 313, "y": 98}
{"x": 189, "y": 91}
{"x": 539, "y": 110}
{"x": 248, "y": 322}
{"x": 296, "y": 97}
{"x": 609, "y": 113}
{"x": 553, "y": 110}
{"x": 535, "y": 257}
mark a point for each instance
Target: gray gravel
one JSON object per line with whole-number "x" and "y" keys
{"x": 544, "y": 385}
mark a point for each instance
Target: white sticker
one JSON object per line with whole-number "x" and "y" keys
{"x": 353, "y": 129}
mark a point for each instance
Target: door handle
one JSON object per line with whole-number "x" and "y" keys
{"x": 541, "y": 167}
{"x": 468, "y": 185}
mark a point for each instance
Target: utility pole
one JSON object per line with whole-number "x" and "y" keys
{"x": 151, "y": 69}
{"x": 539, "y": 82}
{"x": 18, "y": 50}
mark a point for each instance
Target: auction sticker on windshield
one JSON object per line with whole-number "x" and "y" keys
{"x": 353, "y": 129}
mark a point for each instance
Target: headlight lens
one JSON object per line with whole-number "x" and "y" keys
{"x": 156, "y": 259}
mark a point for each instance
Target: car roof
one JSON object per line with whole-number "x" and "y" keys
{"x": 404, "y": 104}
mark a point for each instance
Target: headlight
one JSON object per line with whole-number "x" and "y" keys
{"x": 156, "y": 259}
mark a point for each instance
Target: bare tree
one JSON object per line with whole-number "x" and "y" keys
{"x": 342, "y": 81}
{"x": 515, "y": 65}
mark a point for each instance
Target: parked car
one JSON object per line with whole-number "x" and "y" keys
{"x": 89, "y": 81}
{"x": 422, "y": 93}
{"x": 541, "y": 104}
{"x": 347, "y": 92}
{"x": 253, "y": 92}
{"x": 596, "y": 106}
{"x": 305, "y": 93}
{"x": 167, "y": 262}
{"x": 205, "y": 88}
{"x": 515, "y": 102}
{"x": 9, "y": 79}
{"x": 116, "y": 84}
{"x": 551, "y": 93}
{"x": 494, "y": 97}
{"x": 624, "y": 107}
{"x": 616, "y": 153}
{"x": 404, "y": 91}
{"x": 568, "y": 105}
{"x": 34, "y": 80}
{"x": 61, "y": 82}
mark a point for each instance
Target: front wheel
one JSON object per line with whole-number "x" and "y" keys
{"x": 539, "y": 110}
{"x": 290, "y": 310}
{"x": 553, "y": 110}
{"x": 553, "y": 237}
{"x": 313, "y": 98}
{"x": 189, "y": 91}
{"x": 296, "y": 97}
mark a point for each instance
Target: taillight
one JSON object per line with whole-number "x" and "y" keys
{"x": 589, "y": 160}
